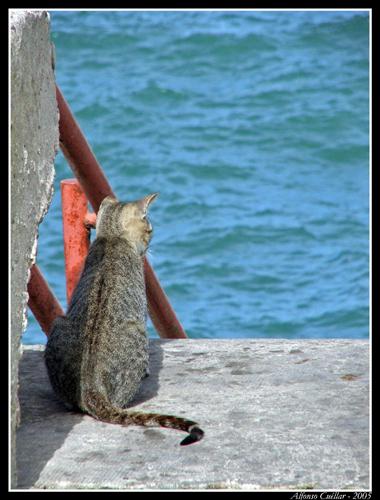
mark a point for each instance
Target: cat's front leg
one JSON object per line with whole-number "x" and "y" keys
{"x": 147, "y": 372}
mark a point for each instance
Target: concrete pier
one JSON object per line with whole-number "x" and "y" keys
{"x": 34, "y": 144}
{"x": 277, "y": 414}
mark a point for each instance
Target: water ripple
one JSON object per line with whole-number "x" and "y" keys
{"x": 253, "y": 126}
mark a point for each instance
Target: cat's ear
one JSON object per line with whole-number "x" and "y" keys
{"x": 144, "y": 203}
{"x": 108, "y": 200}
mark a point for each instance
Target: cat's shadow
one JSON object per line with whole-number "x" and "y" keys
{"x": 46, "y": 422}
{"x": 150, "y": 385}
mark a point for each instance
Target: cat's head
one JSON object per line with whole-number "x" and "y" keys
{"x": 126, "y": 220}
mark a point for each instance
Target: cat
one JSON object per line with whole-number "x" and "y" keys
{"x": 97, "y": 354}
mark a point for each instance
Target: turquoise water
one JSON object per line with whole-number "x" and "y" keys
{"x": 254, "y": 127}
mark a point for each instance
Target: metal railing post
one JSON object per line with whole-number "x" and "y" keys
{"x": 42, "y": 301}
{"x": 96, "y": 187}
{"x": 76, "y": 236}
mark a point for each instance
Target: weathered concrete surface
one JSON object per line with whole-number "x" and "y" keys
{"x": 277, "y": 414}
{"x": 34, "y": 142}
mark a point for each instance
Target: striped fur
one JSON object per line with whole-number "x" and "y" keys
{"x": 97, "y": 354}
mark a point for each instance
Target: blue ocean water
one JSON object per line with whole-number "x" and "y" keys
{"x": 254, "y": 128}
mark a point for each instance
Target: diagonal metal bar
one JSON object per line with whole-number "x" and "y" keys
{"x": 42, "y": 301}
{"x": 96, "y": 187}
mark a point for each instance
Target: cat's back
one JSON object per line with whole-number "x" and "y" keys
{"x": 117, "y": 290}
{"x": 114, "y": 337}
{"x": 101, "y": 344}
{"x": 113, "y": 274}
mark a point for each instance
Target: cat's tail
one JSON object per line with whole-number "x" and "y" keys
{"x": 168, "y": 421}
{"x": 108, "y": 413}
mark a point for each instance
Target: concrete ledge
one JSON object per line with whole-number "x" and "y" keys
{"x": 277, "y": 414}
{"x": 34, "y": 143}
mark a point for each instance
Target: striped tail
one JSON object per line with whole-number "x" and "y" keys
{"x": 168, "y": 421}
{"x": 106, "y": 412}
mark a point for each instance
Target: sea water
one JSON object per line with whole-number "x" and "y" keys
{"x": 254, "y": 128}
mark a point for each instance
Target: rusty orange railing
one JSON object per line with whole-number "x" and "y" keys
{"x": 76, "y": 234}
{"x": 42, "y": 301}
{"x": 93, "y": 186}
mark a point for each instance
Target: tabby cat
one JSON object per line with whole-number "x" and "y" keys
{"x": 97, "y": 354}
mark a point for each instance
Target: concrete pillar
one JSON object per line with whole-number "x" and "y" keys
{"x": 34, "y": 144}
